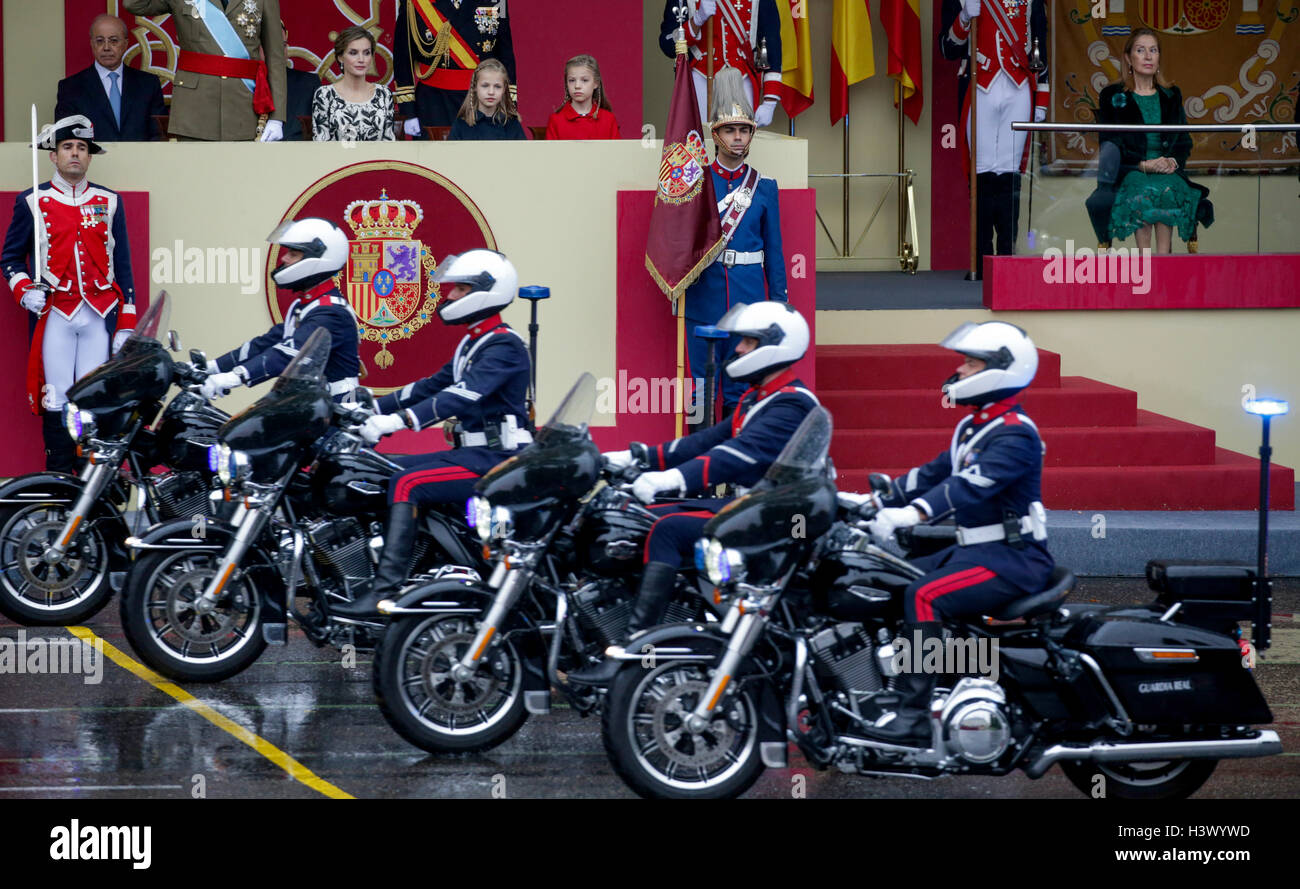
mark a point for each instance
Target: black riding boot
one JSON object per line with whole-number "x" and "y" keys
{"x": 910, "y": 724}
{"x": 60, "y": 450}
{"x": 987, "y": 194}
{"x": 390, "y": 574}
{"x": 652, "y": 600}
{"x": 1007, "y": 217}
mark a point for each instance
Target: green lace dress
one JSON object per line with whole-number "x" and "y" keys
{"x": 1145, "y": 198}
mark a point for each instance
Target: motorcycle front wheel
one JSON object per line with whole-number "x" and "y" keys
{"x": 1171, "y": 779}
{"x": 37, "y": 592}
{"x": 651, "y": 748}
{"x": 422, "y": 701}
{"x": 170, "y": 635}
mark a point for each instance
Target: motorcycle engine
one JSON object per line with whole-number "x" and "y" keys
{"x": 604, "y": 608}
{"x": 340, "y": 548}
{"x": 976, "y": 726}
{"x": 848, "y": 652}
{"x": 183, "y": 494}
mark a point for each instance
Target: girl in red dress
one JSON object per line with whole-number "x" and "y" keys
{"x": 586, "y": 113}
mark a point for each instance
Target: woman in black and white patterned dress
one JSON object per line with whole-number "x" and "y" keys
{"x": 352, "y": 108}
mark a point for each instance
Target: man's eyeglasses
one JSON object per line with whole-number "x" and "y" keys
{"x": 107, "y": 41}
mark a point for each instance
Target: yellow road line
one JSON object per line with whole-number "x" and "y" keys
{"x": 296, "y": 770}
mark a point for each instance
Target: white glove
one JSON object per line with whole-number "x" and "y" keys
{"x": 649, "y": 484}
{"x": 33, "y": 301}
{"x": 970, "y": 9}
{"x": 853, "y": 501}
{"x": 618, "y": 459}
{"x": 1040, "y": 114}
{"x": 887, "y": 521}
{"x": 273, "y": 131}
{"x": 763, "y": 114}
{"x": 380, "y": 425}
{"x": 220, "y": 384}
{"x": 119, "y": 340}
{"x": 412, "y": 127}
{"x": 705, "y": 12}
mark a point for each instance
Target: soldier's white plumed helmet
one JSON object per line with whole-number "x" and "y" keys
{"x": 1009, "y": 354}
{"x": 324, "y": 247}
{"x": 782, "y": 336}
{"x": 493, "y": 284}
{"x": 730, "y": 105}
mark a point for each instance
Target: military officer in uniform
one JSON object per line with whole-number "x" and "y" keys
{"x": 223, "y": 91}
{"x": 484, "y": 386}
{"x": 991, "y": 480}
{"x": 751, "y": 266}
{"x": 739, "y": 450}
{"x": 746, "y": 36}
{"x": 1009, "y": 92}
{"x": 437, "y": 46}
{"x": 83, "y": 290}
{"x": 314, "y": 252}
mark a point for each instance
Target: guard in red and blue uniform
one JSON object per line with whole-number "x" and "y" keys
{"x": 738, "y": 451}
{"x": 315, "y": 251}
{"x": 437, "y": 44}
{"x": 484, "y": 386}
{"x": 746, "y": 38}
{"x": 990, "y": 478}
{"x": 751, "y": 266}
{"x": 83, "y": 290}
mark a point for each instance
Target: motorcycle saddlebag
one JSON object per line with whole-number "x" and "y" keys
{"x": 1213, "y": 593}
{"x": 1168, "y": 673}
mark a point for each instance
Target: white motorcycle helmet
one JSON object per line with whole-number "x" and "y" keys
{"x": 493, "y": 281}
{"x": 782, "y": 336}
{"x": 1008, "y": 352}
{"x": 324, "y": 247}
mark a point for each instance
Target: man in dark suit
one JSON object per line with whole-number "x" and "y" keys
{"x": 302, "y": 86}
{"x": 120, "y": 101}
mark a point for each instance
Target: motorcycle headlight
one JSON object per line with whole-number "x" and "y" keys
{"x": 478, "y": 515}
{"x": 239, "y": 466}
{"x": 231, "y": 466}
{"x": 503, "y": 523}
{"x": 80, "y": 424}
{"x": 719, "y": 564}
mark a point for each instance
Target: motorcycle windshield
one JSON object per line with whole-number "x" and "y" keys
{"x": 804, "y": 455}
{"x": 571, "y": 418}
{"x": 148, "y": 330}
{"x": 140, "y": 372}
{"x": 307, "y": 369}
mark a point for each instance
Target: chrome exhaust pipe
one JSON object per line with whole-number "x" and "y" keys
{"x": 1266, "y": 743}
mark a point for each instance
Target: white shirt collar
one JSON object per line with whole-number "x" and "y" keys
{"x": 67, "y": 187}
{"x": 104, "y": 72}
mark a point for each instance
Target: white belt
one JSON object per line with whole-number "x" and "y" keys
{"x": 1032, "y": 526}
{"x": 736, "y": 257}
{"x": 479, "y": 439}
{"x": 344, "y": 386}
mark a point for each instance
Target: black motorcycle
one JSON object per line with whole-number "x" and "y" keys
{"x": 1127, "y": 699}
{"x": 464, "y": 663}
{"x": 309, "y": 505}
{"x": 62, "y": 537}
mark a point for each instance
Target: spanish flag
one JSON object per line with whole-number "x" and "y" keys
{"x": 796, "y": 51}
{"x": 851, "y": 59}
{"x": 902, "y": 20}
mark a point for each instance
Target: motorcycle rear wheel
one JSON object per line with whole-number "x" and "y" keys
{"x": 642, "y": 726}
{"x": 170, "y": 636}
{"x": 426, "y": 706}
{"x": 37, "y": 593}
{"x": 1171, "y": 779}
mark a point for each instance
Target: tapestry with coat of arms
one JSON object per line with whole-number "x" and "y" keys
{"x": 1235, "y": 62}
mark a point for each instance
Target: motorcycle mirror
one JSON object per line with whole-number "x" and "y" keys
{"x": 364, "y": 397}
{"x": 198, "y": 359}
{"x": 174, "y": 341}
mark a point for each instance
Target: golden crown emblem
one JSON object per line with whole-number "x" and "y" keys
{"x": 383, "y": 218}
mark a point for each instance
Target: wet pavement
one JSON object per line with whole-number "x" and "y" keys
{"x": 301, "y": 724}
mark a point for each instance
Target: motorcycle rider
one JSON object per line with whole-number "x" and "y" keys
{"x": 738, "y": 450}
{"x": 991, "y": 478}
{"x": 315, "y": 250}
{"x": 484, "y": 385}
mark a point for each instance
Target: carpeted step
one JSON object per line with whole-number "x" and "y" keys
{"x": 1154, "y": 441}
{"x": 1231, "y": 482}
{"x": 905, "y": 367}
{"x": 1077, "y": 402}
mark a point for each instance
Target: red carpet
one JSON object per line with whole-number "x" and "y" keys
{"x": 1102, "y": 452}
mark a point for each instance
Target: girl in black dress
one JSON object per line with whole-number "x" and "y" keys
{"x": 488, "y": 112}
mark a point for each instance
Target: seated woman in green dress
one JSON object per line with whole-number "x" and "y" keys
{"x": 1154, "y": 191}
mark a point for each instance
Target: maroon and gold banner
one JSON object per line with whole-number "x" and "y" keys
{"x": 685, "y": 232}
{"x": 1233, "y": 65}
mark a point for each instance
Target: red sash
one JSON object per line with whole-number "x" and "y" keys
{"x": 223, "y": 66}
